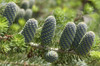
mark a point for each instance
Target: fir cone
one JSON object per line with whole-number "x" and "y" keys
{"x": 29, "y": 30}
{"x": 86, "y": 43}
{"x": 51, "y": 56}
{"x": 80, "y": 32}
{"x": 48, "y": 30}
{"x": 10, "y": 12}
{"x": 67, "y": 36}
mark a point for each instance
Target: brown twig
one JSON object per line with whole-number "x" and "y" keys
{"x": 6, "y": 37}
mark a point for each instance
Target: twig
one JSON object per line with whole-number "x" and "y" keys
{"x": 6, "y": 37}
{"x": 48, "y": 48}
{"x": 17, "y": 63}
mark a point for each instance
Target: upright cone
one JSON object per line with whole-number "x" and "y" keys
{"x": 51, "y": 56}
{"x": 10, "y": 12}
{"x": 86, "y": 43}
{"x": 48, "y": 30}
{"x": 80, "y": 32}
{"x": 67, "y": 36}
{"x": 28, "y": 14}
{"x": 25, "y": 4}
{"x": 20, "y": 14}
{"x": 29, "y": 30}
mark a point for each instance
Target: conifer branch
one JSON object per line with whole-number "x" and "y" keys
{"x": 53, "y": 49}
